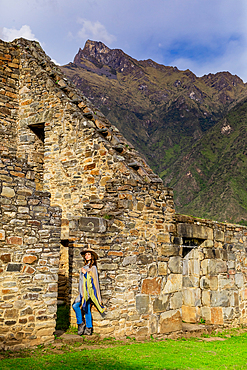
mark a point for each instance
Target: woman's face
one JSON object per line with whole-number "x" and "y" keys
{"x": 88, "y": 256}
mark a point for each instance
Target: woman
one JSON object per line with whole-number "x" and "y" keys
{"x": 89, "y": 292}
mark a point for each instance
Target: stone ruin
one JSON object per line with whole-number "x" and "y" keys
{"x": 68, "y": 180}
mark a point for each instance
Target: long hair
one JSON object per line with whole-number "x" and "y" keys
{"x": 92, "y": 261}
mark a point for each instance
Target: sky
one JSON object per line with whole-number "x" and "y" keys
{"x": 205, "y": 36}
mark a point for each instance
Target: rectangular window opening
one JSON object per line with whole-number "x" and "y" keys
{"x": 39, "y": 130}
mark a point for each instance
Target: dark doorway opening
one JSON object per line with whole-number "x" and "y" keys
{"x": 63, "y": 301}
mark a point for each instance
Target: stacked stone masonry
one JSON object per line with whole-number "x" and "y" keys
{"x": 156, "y": 268}
{"x": 214, "y": 273}
{"x": 29, "y": 258}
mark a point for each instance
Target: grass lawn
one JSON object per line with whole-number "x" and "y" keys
{"x": 168, "y": 354}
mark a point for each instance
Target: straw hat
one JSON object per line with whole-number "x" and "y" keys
{"x": 84, "y": 251}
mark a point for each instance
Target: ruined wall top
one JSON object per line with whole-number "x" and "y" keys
{"x": 29, "y": 55}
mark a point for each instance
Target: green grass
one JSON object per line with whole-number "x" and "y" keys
{"x": 168, "y": 354}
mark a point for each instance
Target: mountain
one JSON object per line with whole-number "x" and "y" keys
{"x": 162, "y": 111}
{"x": 211, "y": 180}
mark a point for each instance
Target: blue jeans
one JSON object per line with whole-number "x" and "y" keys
{"x": 87, "y": 310}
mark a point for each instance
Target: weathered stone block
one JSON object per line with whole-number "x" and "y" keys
{"x": 206, "y": 314}
{"x": 152, "y": 270}
{"x": 9, "y": 290}
{"x": 173, "y": 284}
{"x": 9, "y": 284}
{"x": 162, "y": 268}
{"x": 129, "y": 260}
{"x": 194, "y": 267}
{"x": 176, "y": 300}
{"x": 175, "y": 265}
{"x": 6, "y": 257}
{"x": 221, "y": 254}
{"x": 144, "y": 259}
{"x": 195, "y": 254}
{"x": 29, "y": 259}
{"x": 92, "y": 224}
{"x": 191, "y": 281}
{"x": 208, "y": 252}
{"x": 45, "y": 332}
{"x": 185, "y": 266}
{"x": 170, "y": 321}
{"x": 108, "y": 266}
{"x": 195, "y": 231}
{"x": 228, "y": 313}
{"x": 168, "y": 250}
{"x": 216, "y": 315}
{"x": 142, "y": 303}
{"x": 163, "y": 238}
{"x": 160, "y": 304}
{"x": 209, "y": 282}
{"x": 16, "y": 240}
{"x": 11, "y": 313}
{"x": 206, "y": 298}
{"x": 239, "y": 280}
{"x": 140, "y": 206}
{"x": 226, "y": 282}
{"x": 191, "y": 296}
{"x": 7, "y": 192}
{"x": 151, "y": 286}
{"x": 190, "y": 314}
{"x": 22, "y": 321}
{"x": 207, "y": 244}
{"x": 153, "y": 324}
{"x": 31, "y": 296}
{"x": 205, "y": 266}
{"x": 216, "y": 267}
{"x": 219, "y": 235}
{"x": 220, "y": 299}
{"x": 2, "y": 235}
{"x": 14, "y": 267}
{"x": 10, "y": 323}
{"x": 234, "y": 298}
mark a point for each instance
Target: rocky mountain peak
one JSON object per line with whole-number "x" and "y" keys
{"x": 99, "y": 54}
{"x": 93, "y": 48}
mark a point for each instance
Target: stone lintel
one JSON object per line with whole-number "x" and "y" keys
{"x": 195, "y": 231}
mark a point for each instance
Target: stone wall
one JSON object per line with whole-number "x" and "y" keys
{"x": 9, "y": 77}
{"x": 29, "y": 258}
{"x": 98, "y": 179}
{"x": 214, "y": 271}
{"x": 134, "y": 249}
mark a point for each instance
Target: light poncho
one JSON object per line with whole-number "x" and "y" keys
{"x": 89, "y": 288}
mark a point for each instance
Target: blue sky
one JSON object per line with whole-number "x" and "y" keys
{"x": 205, "y": 36}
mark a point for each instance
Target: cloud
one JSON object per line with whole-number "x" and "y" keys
{"x": 232, "y": 59}
{"x": 95, "y": 31}
{"x": 204, "y": 36}
{"x": 9, "y": 34}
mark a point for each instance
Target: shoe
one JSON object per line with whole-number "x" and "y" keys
{"x": 88, "y": 331}
{"x": 81, "y": 329}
